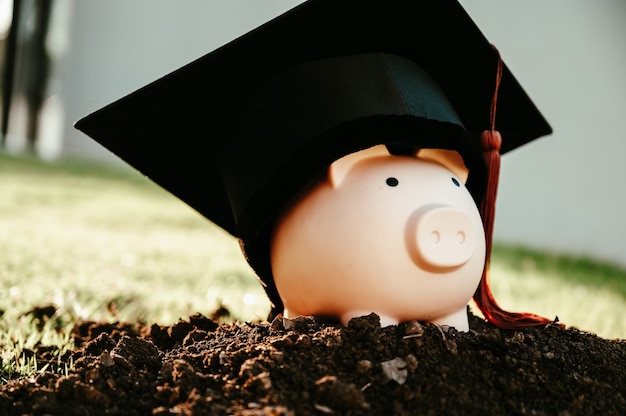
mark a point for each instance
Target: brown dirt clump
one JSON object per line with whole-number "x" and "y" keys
{"x": 310, "y": 366}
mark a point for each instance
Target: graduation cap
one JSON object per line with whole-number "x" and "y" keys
{"x": 237, "y": 133}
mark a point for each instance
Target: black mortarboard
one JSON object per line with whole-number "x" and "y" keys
{"x": 236, "y": 133}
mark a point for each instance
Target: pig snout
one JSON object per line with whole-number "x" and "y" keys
{"x": 440, "y": 237}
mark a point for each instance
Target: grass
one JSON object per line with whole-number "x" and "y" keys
{"x": 103, "y": 243}
{"x": 582, "y": 292}
{"x": 19, "y": 338}
{"x": 111, "y": 245}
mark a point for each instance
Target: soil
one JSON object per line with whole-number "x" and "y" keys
{"x": 309, "y": 366}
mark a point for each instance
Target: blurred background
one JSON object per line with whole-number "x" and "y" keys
{"x": 565, "y": 193}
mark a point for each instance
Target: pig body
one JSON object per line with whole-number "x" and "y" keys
{"x": 396, "y": 235}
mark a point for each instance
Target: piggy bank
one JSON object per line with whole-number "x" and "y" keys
{"x": 400, "y": 236}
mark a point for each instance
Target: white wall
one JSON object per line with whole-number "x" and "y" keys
{"x": 564, "y": 192}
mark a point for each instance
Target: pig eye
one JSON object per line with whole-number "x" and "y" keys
{"x": 392, "y": 182}
{"x": 454, "y": 181}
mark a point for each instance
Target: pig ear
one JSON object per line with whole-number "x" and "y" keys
{"x": 447, "y": 158}
{"x": 339, "y": 169}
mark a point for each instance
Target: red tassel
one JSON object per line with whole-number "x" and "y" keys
{"x": 491, "y": 141}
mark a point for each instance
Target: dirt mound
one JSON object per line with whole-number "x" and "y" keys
{"x": 309, "y": 366}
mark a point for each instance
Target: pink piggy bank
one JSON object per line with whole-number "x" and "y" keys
{"x": 396, "y": 235}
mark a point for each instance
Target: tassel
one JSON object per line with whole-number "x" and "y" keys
{"x": 490, "y": 141}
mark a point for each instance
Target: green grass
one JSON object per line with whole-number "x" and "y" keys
{"x": 83, "y": 238}
{"x": 582, "y": 292}
{"x": 104, "y": 243}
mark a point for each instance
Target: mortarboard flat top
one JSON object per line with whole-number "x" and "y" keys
{"x": 178, "y": 130}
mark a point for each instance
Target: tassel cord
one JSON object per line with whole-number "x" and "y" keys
{"x": 491, "y": 141}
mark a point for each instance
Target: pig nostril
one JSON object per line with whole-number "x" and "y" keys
{"x": 460, "y": 237}
{"x": 434, "y": 237}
